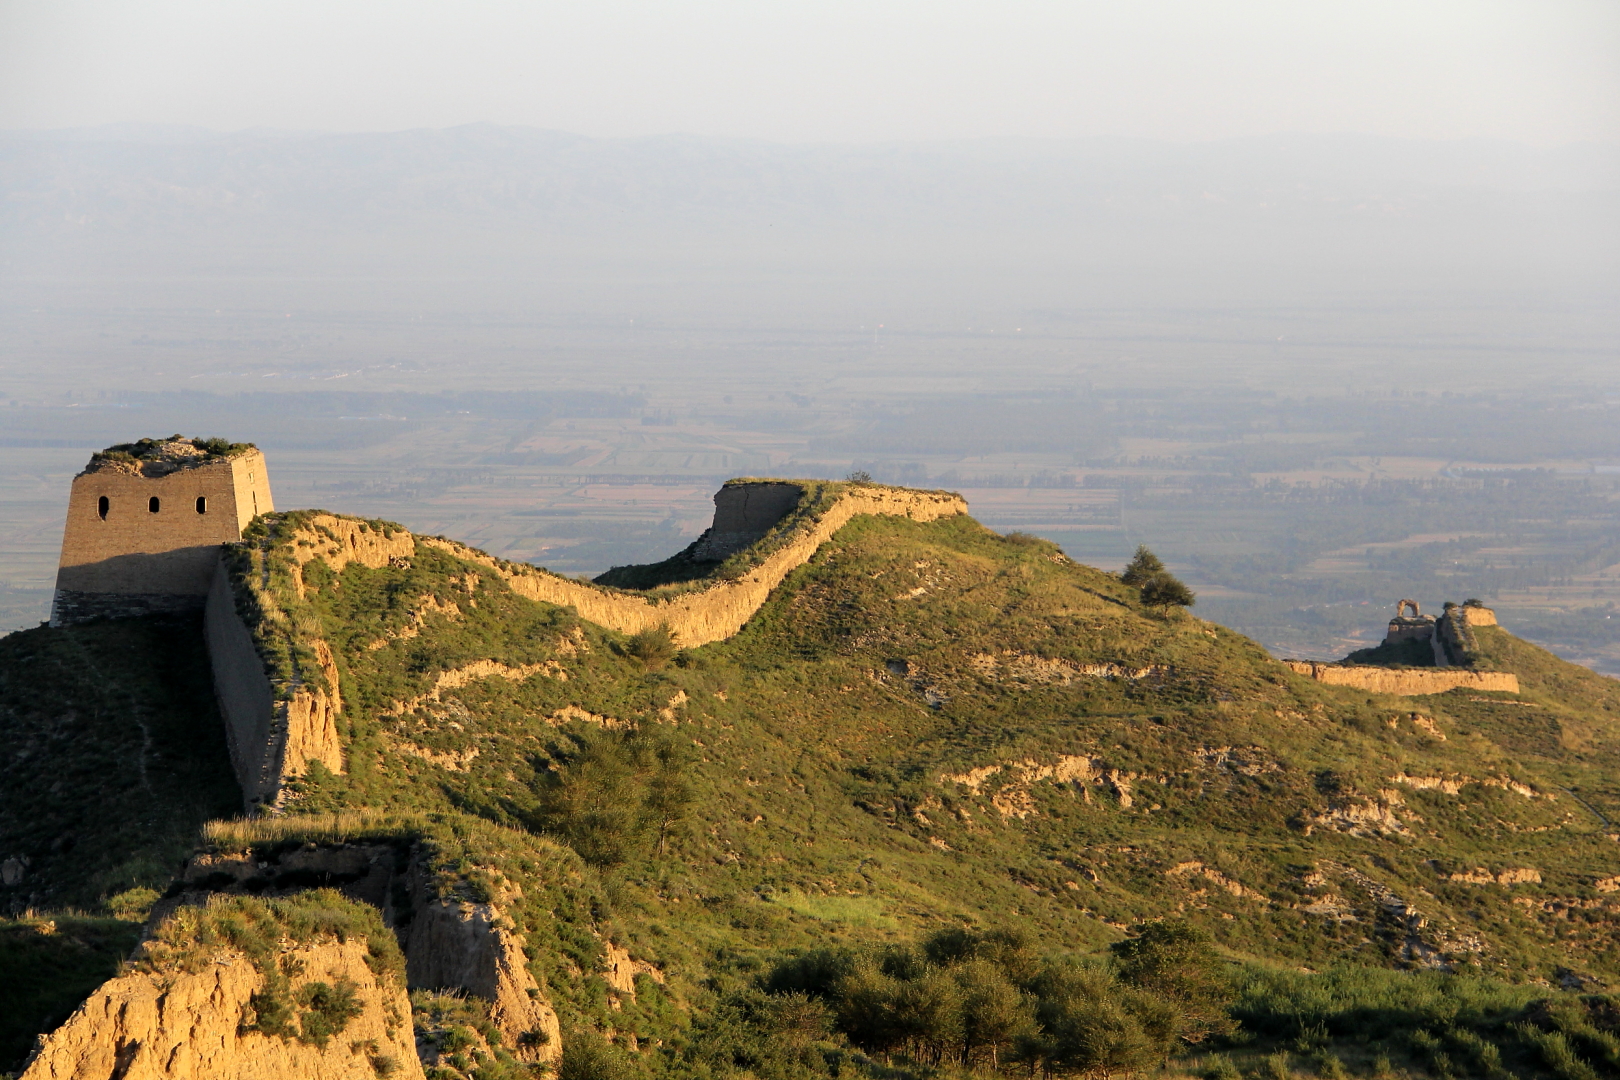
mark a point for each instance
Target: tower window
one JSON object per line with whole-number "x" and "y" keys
{"x": 103, "y": 504}
{"x": 202, "y": 504}
{"x": 152, "y": 504}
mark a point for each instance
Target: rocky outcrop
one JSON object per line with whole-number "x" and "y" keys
{"x": 1518, "y": 875}
{"x": 156, "y": 1026}
{"x": 339, "y": 541}
{"x": 467, "y": 946}
{"x": 620, "y": 970}
{"x": 1405, "y": 682}
{"x": 309, "y": 721}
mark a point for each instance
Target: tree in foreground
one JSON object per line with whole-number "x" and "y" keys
{"x": 1178, "y": 962}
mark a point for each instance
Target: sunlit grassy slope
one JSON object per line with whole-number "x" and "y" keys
{"x": 932, "y": 723}
{"x": 927, "y": 725}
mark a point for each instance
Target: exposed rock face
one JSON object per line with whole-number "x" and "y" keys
{"x": 1405, "y": 682}
{"x": 145, "y": 1026}
{"x": 1520, "y": 875}
{"x": 310, "y": 722}
{"x": 471, "y": 947}
{"x": 620, "y": 971}
{"x": 338, "y": 541}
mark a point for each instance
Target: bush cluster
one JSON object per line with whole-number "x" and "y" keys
{"x": 988, "y": 1001}
{"x": 618, "y": 795}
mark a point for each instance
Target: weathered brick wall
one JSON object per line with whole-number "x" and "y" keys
{"x": 133, "y": 558}
{"x": 246, "y": 701}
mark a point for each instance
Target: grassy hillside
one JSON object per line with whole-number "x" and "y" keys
{"x": 114, "y": 756}
{"x": 929, "y": 727}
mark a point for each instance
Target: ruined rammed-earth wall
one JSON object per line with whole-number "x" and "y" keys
{"x": 154, "y": 1026}
{"x": 1405, "y": 682}
{"x": 277, "y": 683}
{"x": 720, "y": 610}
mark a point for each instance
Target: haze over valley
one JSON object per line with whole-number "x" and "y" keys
{"x": 1317, "y": 372}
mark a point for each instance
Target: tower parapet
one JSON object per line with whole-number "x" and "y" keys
{"x": 145, "y": 521}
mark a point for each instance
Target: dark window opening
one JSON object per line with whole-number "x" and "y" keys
{"x": 202, "y": 504}
{"x": 103, "y": 504}
{"x": 152, "y": 504}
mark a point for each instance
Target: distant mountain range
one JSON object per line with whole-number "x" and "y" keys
{"x": 175, "y": 199}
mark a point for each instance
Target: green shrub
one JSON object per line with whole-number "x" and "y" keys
{"x": 1556, "y": 1053}
{"x": 618, "y": 795}
{"x": 327, "y": 1010}
{"x": 1275, "y": 1067}
{"x": 588, "y": 1056}
{"x": 1142, "y": 568}
{"x": 653, "y": 646}
{"x": 1166, "y": 591}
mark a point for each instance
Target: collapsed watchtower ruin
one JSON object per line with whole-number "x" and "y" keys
{"x": 145, "y": 522}
{"x": 1414, "y": 627}
{"x": 743, "y": 513}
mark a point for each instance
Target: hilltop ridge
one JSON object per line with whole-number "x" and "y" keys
{"x": 911, "y": 723}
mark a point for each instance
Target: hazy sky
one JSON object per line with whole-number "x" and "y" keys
{"x": 1540, "y": 71}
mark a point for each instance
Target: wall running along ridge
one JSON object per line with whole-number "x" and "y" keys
{"x": 277, "y": 729}
{"x": 1405, "y": 682}
{"x": 720, "y": 610}
{"x": 155, "y": 1026}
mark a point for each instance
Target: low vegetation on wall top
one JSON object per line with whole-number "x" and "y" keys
{"x": 176, "y": 449}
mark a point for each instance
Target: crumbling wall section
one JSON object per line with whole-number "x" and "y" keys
{"x": 275, "y": 732}
{"x": 281, "y": 722}
{"x": 1405, "y": 682}
{"x": 457, "y": 945}
{"x": 720, "y": 610}
{"x": 154, "y": 1026}
{"x": 246, "y": 701}
{"x": 743, "y": 514}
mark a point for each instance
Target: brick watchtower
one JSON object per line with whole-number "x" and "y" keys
{"x": 145, "y": 521}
